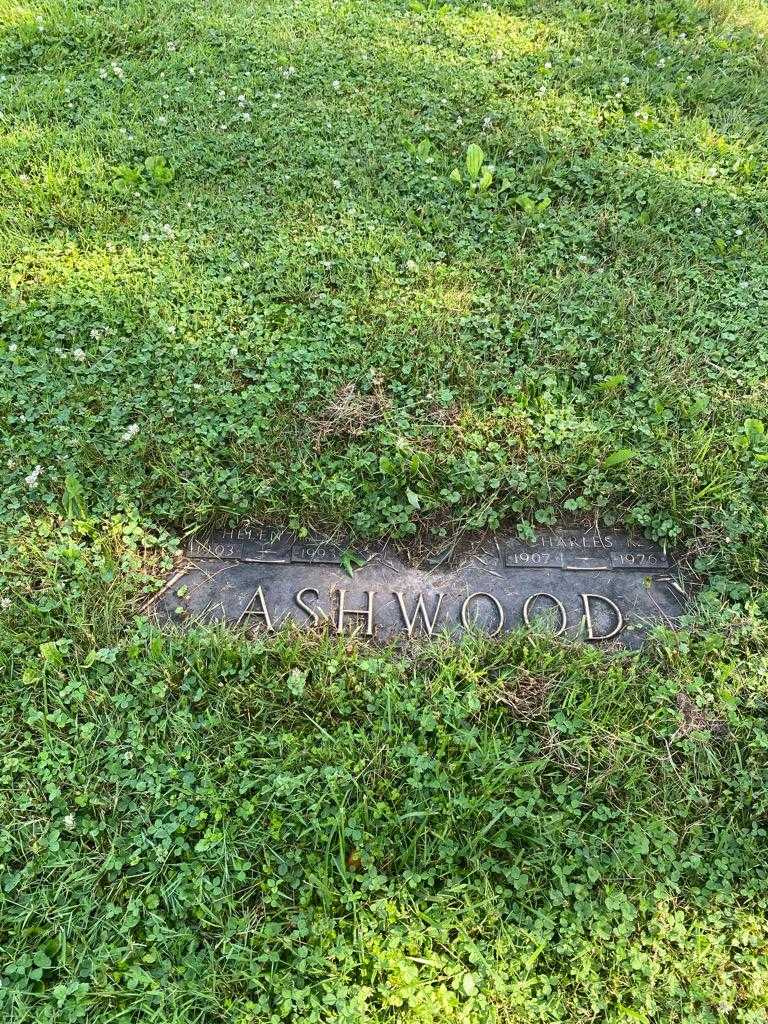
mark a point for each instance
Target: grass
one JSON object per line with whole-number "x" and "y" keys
{"x": 400, "y": 268}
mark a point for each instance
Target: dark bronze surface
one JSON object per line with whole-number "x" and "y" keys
{"x": 601, "y": 586}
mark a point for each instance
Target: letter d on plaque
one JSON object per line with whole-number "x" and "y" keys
{"x": 591, "y": 635}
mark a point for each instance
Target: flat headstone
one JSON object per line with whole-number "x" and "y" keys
{"x": 603, "y": 587}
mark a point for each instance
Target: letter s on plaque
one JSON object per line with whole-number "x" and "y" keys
{"x": 299, "y": 599}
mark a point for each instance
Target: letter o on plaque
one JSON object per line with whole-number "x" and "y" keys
{"x": 492, "y": 599}
{"x": 550, "y": 597}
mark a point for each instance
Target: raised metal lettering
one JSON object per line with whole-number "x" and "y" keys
{"x": 473, "y": 597}
{"x": 419, "y": 610}
{"x": 299, "y": 599}
{"x": 367, "y": 612}
{"x": 250, "y": 612}
{"x": 591, "y": 635}
{"x": 554, "y": 600}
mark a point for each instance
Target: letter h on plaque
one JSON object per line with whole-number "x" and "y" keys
{"x": 366, "y": 612}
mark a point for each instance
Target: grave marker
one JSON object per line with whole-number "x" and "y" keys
{"x": 604, "y": 587}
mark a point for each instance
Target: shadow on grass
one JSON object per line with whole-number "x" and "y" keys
{"x": 312, "y": 245}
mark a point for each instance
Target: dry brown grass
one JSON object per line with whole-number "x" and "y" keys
{"x": 351, "y": 412}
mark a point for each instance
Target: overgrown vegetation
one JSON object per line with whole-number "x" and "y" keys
{"x": 392, "y": 267}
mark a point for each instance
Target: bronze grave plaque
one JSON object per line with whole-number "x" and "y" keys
{"x": 603, "y": 587}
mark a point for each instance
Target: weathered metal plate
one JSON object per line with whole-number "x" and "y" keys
{"x": 602, "y": 587}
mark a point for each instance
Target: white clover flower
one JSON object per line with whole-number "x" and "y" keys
{"x": 5, "y": 603}
{"x": 103, "y": 73}
{"x": 697, "y": 211}
{"x": 233, "y": 351}
{"x": 289, "y": 72}
{"x": 32, "y": 478}
{"x": 12, "y": 347}
{"x": 738, "y": 231}
{"x": 547, "y": 64}
{"x": 69, "y": 821}
{"x": 78, "y": 355}
{"x": 336, "y": 183}
{"x": 246, "y": 116}
{"x": 130, "y": 433}
{"x": 487, "y": 123}
{"x": 336, "y": 84}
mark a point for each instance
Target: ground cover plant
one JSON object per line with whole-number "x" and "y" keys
{"x": 396, "y": 267}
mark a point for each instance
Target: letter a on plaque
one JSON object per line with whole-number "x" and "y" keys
{"x": 257, "y": 609}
